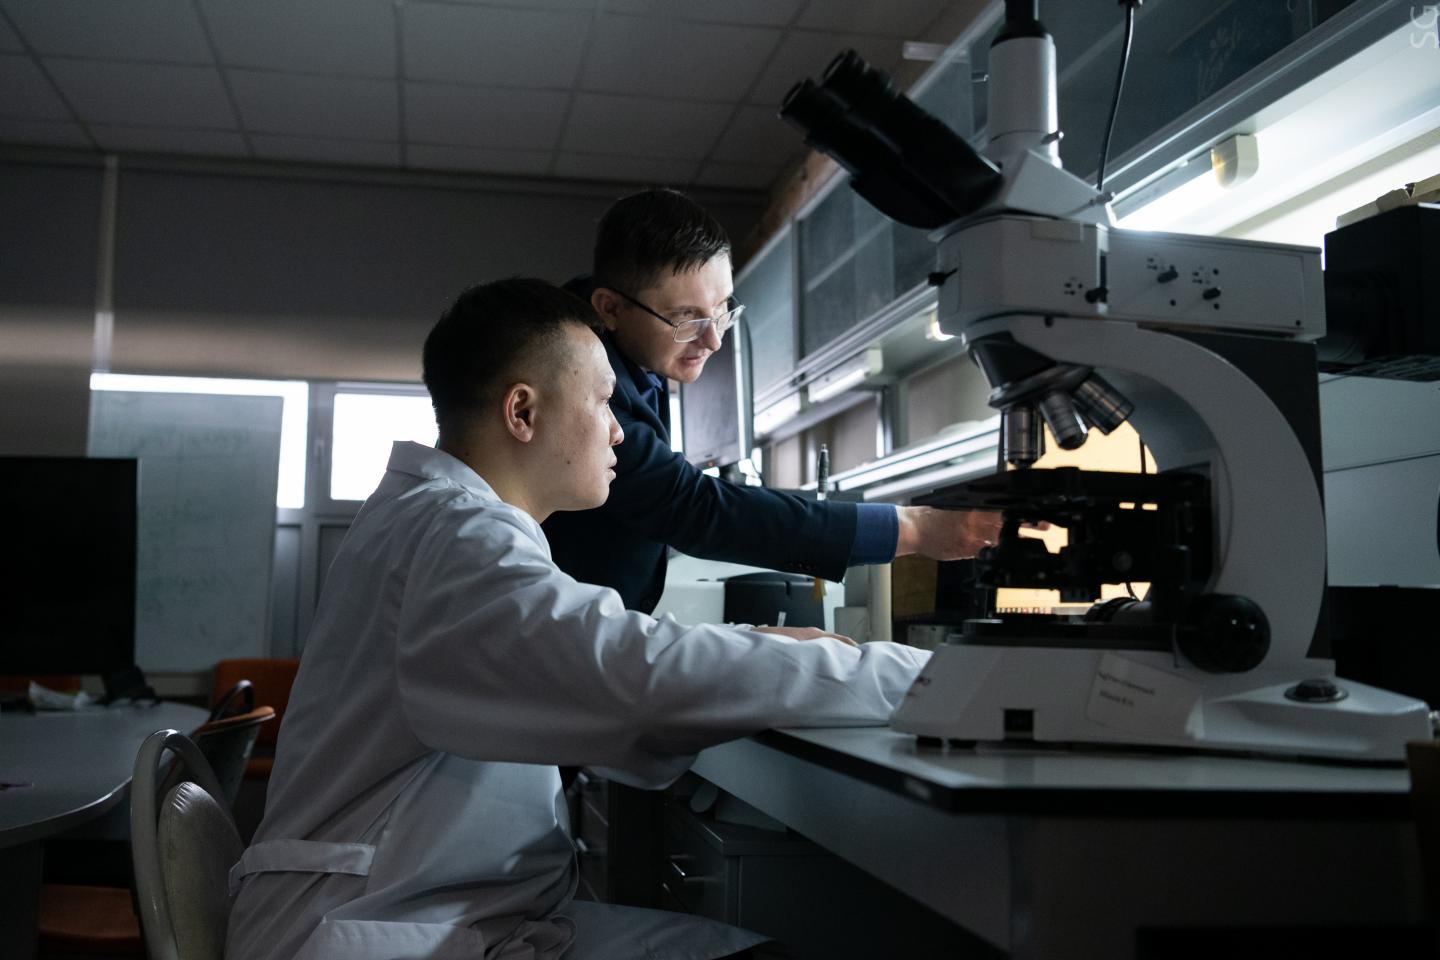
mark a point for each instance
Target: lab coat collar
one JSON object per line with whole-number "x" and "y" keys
{"x": 428, "y": 463}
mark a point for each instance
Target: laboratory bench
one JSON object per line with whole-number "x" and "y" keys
{"x": 1052, "y": 853}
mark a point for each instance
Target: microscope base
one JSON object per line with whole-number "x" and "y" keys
{"x": 972, "y": 692}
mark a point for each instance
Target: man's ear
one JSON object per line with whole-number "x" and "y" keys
{"x": 606, "y": 304}
{"x": 518, "y": 410}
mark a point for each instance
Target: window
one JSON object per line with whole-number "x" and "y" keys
{"x": 366, "y": 421}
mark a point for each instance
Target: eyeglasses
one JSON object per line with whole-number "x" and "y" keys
{"x": 693, "y": 328}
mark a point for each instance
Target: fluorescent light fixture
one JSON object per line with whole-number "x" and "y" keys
{"x": 1235, "y": 159}
{"x": 932, "y": 328}
{"x": 778, "y": 413}
{"x": 925, "y": 455}
{"x": 295, "y": 413}
{"x": 1191, "y": 186}
{"x": 851, "y": 373}
{"x": 975, "y": 466}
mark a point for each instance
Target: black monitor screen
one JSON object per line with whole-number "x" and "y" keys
{"x": 715, "y": 411}
{"x": 67, "y": 565}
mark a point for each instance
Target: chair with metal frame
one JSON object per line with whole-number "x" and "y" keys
{"x": 185, "y": 843}
{"x": 88, "y": 919}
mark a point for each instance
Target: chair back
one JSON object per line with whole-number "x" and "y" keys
{"x": 242, "y": 693}
{"x": 184, "y": 843}
{"x": 226, "y": 745}
{"x": 271, "y": 679}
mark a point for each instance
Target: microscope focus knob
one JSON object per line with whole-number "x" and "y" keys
{"x": 1224, "y": 633}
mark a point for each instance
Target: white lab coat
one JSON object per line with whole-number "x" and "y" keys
{"x": 415, "y": 808}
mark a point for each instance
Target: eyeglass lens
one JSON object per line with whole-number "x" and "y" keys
{"x": 688, "y": 330}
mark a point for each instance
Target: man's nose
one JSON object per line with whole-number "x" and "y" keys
{"x": 709, "y": 338}
{"x": 616, "y": 433}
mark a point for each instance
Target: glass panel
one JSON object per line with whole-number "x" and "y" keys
{"x": 951, "y": 94}
{"x": 829, "y": 308}
{"x": 1177, "y": 59}
{"x": 874, "y": 271}
{"x": 914, "y": 257}
{"x": 365, "y": 426}
{"x": 768, "y": 292}
{"x": 827, "y": 233}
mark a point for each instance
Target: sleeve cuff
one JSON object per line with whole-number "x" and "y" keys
{"x": 877, "y": 528}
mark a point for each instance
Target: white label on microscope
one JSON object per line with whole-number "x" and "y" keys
{"x": 1131, "y": 696}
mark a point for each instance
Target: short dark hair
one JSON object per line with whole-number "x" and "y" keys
{"x": 486, "y": 333}
{"x": 647, "y": 234}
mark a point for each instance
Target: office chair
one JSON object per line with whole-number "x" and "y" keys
{"x": 227, "y": 744}
{"x": 185, "y": 843}
{"x": 101, "y": 920}
{"x": 242, "y": 691}
{"x": 271, "y": 680}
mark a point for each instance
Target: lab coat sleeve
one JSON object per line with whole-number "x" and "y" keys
{"x": 502, "y": 657}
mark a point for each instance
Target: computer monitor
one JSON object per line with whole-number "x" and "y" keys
{"x": 716, "y": 411}
{"x": 67, "y": 565}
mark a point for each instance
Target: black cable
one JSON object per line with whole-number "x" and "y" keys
{"x": 1130, "y": 6}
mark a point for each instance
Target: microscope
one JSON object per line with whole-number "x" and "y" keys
{"x": 1207, "y": 347}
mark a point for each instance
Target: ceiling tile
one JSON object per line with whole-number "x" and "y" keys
{"x": 770, "y": 13}
{"x": 447, "y": 113}
{"x": 9, "y": 40}
{"x": 647, "y": 170}
{"x": 144, "y": 95}
{"x": 893, "y": 18}
{"x": 572, "y": 5}
{"x": 475, "y": 160}
{"x": 125, "y": 139}
{"x": 700, "y": 61}
{"x": 363, "y": 153}
{"x": 47, "y": 133}
{"x": 346, "y": 107}
{"x": 805, "y": 54}
{"x": 163, "y": 30}
{"x": 632, "y": 126}
{"x": 350, "y": 37}
{"x": 25, "y": 93}
{"x": 498, "y": 47}
{"x": 757, "y": 135}
{"x": 744, "y": 176}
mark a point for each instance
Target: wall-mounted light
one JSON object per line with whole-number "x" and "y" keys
{"x": 932, "y": 328}
{"x": 1190, "y": 185}
{"x": 853, "y": 372}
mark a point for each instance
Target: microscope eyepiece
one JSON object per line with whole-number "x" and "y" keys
{"x": 908, "y": 164}
{"x": 852, "y": 80}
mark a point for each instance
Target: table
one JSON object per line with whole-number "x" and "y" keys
{"x": 1055, "y": 854}
{"x": 78, "y": 765}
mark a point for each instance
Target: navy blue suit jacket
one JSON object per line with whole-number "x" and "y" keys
{"x": 658, "y": 499}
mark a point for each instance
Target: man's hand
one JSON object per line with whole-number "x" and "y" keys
{"x": 806, "y": 633}
{"x": 946, "y": 534}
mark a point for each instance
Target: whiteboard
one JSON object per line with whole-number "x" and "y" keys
{"x": 208, "y": 471}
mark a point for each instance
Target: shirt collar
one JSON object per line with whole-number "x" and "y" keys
{"x": 644, "y": 380}
{"x": 428, "y": 463}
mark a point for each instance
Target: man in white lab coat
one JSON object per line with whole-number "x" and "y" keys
{"x": 415, "y": 808}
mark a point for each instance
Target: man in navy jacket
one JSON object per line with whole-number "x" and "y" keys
{"x": 662, "y": 287}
